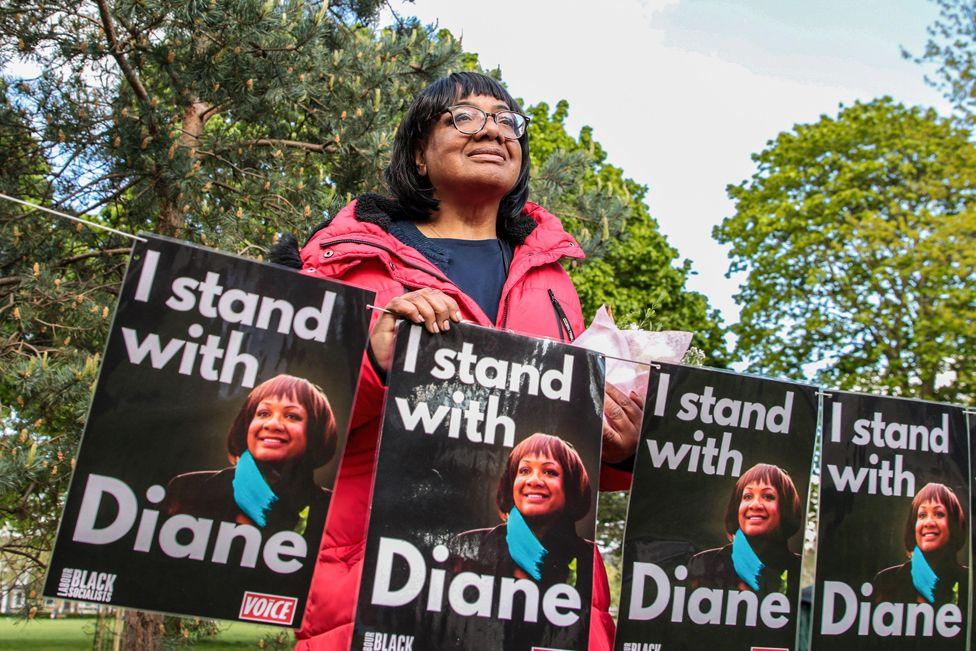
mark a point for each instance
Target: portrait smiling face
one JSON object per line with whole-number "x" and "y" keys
{"x": 277, "y": 430}
{"x": 932, "y": 526}
{"x": 480, "y": 163}
{"x": 538, "y": 490}
{"x": 759, "y": 510}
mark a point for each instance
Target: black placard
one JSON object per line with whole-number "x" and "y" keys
{"x": 226, "y": 382}
{"x": 478, "y": 422}
{"x": 719, "y": 453}
{"x": 895, "y": 475}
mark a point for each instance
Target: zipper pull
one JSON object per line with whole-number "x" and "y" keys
{"x": 561, "y": 315}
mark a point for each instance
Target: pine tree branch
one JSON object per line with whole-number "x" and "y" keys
{"x": 274, "y": 142}
{"x": 229, "y": 163}
{"x": 178, "y": 84}
{"x": 210, "y": 112}
{"x": 94, "y": 254}
{"x": 228, "y": 188}
{"x": 11, "y": 550}
{"x": 112, "y": 197}
{"x": 80, "y": 189}
{"x": 116, "y": 49}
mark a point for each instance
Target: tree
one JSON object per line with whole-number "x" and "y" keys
{"x": 856, "y": 232}
{"x": 951, "y": 48}
{"x": 219, "y": 122}
{"x": 213, "y": 120}
{"x": 632, "y": 268}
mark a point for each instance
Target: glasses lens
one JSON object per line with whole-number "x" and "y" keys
{"x": 512, "y": 125}
{"x": 468, "y": 119}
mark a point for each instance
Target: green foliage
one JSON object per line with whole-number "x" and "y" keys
{"x": 222, "y": 122}
{"x": 612, "y": 511}
{"x": 857, "y": 232}
{"x": 951, "y": 49}
{"x": 47, "y": 278}
{"x": 631, "y": 267}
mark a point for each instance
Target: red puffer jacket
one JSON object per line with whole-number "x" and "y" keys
{"x": 356, "y": 248}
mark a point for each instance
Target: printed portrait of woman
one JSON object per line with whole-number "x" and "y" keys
{"x": 762, "y": 514}
{"x": 934, "y": 534}
{"x": 542, "y": 492}
{"x": 283, "y": 432}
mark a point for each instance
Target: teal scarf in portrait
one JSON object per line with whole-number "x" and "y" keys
{"x": 924, "y": 577}
{"x": 251, "y": 492}
{"x": 747, "y": 565}
{"x": 524, "y": 548}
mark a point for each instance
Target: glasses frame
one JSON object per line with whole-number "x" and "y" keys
{"x": 484, "y": 122}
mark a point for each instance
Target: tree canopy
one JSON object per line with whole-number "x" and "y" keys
{"x": 951, "y": 49}
{"x": 632, "y": 267}
{"x": 856, "y": 232}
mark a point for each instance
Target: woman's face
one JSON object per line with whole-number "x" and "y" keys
{"x": 277, "y": 430}
{"x": 477, "y": 165}
{"x": 538, "y": 490}
{"x": 759, "y": 510}
{"x": 931, "y": 526}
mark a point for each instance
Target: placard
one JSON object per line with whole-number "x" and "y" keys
{"x": 219, "y": 417}
{"x": 717, "y": 510}
{"x": 894, "y": 536}
{"x": 483, "y": 510}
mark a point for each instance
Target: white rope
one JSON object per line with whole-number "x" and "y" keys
{"x": 73, "y": 218}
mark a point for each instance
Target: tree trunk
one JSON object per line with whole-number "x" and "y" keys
{"x": 141, "y": 631}
{"x": 171, "y": 220}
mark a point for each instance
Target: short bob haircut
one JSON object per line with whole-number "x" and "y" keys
{"x": 945, "y": 496}
{"x": 413, "y": 192}
{"x": 576, "y": 481}
{"x": 789, "y": 499}
{"x": 320, "y": 428}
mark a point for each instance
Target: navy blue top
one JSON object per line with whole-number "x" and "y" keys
{"x": 478, "y": 267}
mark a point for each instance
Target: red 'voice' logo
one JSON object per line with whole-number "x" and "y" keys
{"x": 268, "y": 608}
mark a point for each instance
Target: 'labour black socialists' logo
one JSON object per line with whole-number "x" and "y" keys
{"x": 86, "y": 585}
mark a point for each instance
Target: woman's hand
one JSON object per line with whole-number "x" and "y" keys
{"x": 622, "y": 418}
{"x": 432, "y": 307}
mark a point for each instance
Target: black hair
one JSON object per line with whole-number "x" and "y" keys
{"x": 789, "y": 499}
{"x": 576, "y": 481}
{"x": 413, "y": 192}
{"x": 320, "y": 429}
{"x": 942, "y": 494}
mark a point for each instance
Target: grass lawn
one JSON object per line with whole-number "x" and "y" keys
{"x": 76, "y": 633}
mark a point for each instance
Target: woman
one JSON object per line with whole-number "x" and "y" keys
{"x": 762, "y": 514}
{"x": 457, "y": 240}
{"x": 284, "y": 430}
{"x": 934, "y": 533}
{"x": 542, "y": 493}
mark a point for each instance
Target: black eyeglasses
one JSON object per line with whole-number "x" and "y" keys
{"x": 469, "y": 120}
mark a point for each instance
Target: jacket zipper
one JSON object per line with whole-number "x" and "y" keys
{"x": 561, "y": 317}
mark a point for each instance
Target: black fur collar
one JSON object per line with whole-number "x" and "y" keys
{"x": 383, "y": 211}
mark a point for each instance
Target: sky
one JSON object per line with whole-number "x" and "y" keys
{"x": 680, "y": 93}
